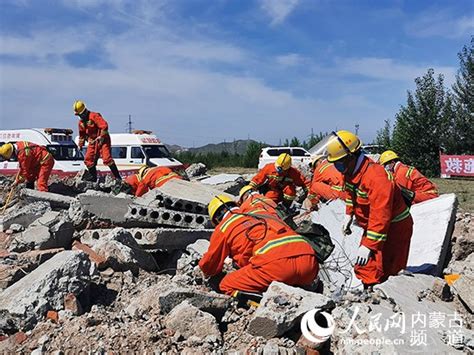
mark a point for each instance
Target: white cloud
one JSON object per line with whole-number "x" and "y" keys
{"x": 278, "y": 10}
{"x": 289, "y": 60}
{"x": 441, "y": 24}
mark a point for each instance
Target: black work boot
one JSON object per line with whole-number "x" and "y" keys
{"x": 30, "y": 185}
{"x": 92, "y": 174}
{"x": 115, "y": 172}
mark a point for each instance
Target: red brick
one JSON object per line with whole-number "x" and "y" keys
{"x": 99, "y": 260}
{"x": 19, "y": 337}
{"x": 72, "y": 304}
{"x": 3, "y": 337}
{"x": 52, "y": 315}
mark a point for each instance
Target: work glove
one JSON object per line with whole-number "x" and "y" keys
{"x": 307, "y": 205}
{"x": 346, "y": 226}
{"x": 363, "y": 255}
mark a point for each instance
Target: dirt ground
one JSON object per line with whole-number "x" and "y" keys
{"x": 464, "y": 189}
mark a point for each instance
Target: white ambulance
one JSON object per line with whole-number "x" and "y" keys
{"x": 132, "y": 150}
{"x": 58, "y": 141}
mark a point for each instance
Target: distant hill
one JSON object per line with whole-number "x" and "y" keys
{"x": 238, "y": 147}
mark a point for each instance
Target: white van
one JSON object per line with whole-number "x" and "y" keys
{"x": 300, "y": 156}
{"x": 58, "y": 141}
{"x": 132, "y": 150}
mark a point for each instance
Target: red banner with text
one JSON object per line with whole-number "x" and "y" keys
{"x": 457, "y": 165}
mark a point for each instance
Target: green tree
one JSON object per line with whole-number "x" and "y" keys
{"x": 419, "y": 124}
{"x": 252, "y": 154}
{"x": 295, "y": 142}
{"x": 384, "y": 137}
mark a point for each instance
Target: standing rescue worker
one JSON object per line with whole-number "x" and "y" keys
{"x": 262, "y": 246}
{"x": 94, "y": 129}
{"x": 281, "y": 179}
{"x": 35, "y": 163}
{"x": 409, "y": 177}
{"x": 379, "y": 208}
{"x": 147, "y": 178}
{"x": 327, "y": 183}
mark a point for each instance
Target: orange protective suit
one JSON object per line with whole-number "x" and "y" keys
{"x": 411, "y": 179}
{"x": 92, "y": 129}
{"x": 259, "y": 201}
{"x": 281, "y": 187}
{"x": 327, "y": 183}
{"x": 154, "y": 177}
{"x": 265, "y": 249}
{"x": 379, "y": 208}
{"x": 36, "y": 163}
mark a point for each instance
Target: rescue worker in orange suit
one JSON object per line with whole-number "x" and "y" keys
{"x": 94, "y": 129}
{"x": 281, "y": 179}
{"x": 249, "y": 200}
{"x": 265, "y": 249}
{"x": 327, "y": 183}
{"x": 36, "y": 163}
{"x": 379, "y": 208}
{"x": 147, "y": 178}
{"x": 409, "y": 177}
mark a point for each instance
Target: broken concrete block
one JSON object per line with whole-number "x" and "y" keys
{"x": 441, "y": 289}
{"x": 281, "y": 308}
{"x": 465, "y": 290}
{"x": 189, "y": 321}
{"x": 24, "y": 215}
{"x": 105, "y": 206}
{"x": 47, "y": 232}
{"x": 55, "y": 200}
{"x": 196, "y": 169}
{"x": 44, "y": 289}
{"x": 99, "y": 260}
{"x": 229, "y": 183}
{"x": 156, "y": 198}
{"x": 160, "y": 216}
{"x": 198, "y": 248}
{"x": 122, "y": 252}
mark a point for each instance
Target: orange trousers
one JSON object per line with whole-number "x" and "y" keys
{"x": 288, "y": 193}
{"x": 295, "y": 271}
{"x": 392, "y": 258}
{"x": 96, "y": 151}
{"x": 41, "y": 174}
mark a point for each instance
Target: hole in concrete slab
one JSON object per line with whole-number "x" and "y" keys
{"x": 165, "y": 216}
{"x": 199, "y": 209}
{"x": 161, "y": 204}
{"x": 133, "y": 211}
{"x": 159, "y": 198}
{"x": 142, "y": 212}
{"x": 95, "y": 235}
{"x": 188, "y": 219}
{"x": 178, "y": 205}
{"x": 200, "y": 220}
{"x": 138, "y": 234}
{"x": 188, "y": 207}
{"x": 154, "y": 215}
{"x": 168, "y": 202}
{"x": 177, "y": 217}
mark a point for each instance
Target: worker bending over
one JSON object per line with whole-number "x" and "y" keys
{"x": 263, "y": 247}
{"x": 94, "y": 129}
{"x": 148, "y": 178}
{"x": 35, "y": 163}
{"x": 379, "y": 208}
{"x": 249, "y": 200}
{"x": 281, "y": 180}
{"x": 409, "y": 177}
{"x": 327, "y": 183}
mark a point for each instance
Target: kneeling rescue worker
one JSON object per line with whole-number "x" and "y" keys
{"x": 263, "y": 247}
{"x": 147, "y": 178}
{"x": 36, "y": 163}
{"x": 94, "y": 129}
{"x": 379, "y": 208}
{"x": 281, "y": 179}
{"x": 409, "y": 177}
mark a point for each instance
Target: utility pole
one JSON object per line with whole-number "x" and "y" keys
{"x": 129, "y": 124}
{"x": 357, "y": 129}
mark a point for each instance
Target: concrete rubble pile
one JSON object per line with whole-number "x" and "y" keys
{"x": 86, "y": 271}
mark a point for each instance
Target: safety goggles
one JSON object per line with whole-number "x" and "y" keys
{"x": 279, "y": 169}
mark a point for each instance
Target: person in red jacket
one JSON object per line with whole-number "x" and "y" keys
{"x": 409, "y": 177}
{"x": 327, "y": 183}
{"x": 147, "y": 178}
{"x": 265, "y": 250}
{"x": 379, "y": 208}
{"x": 94, "y": 129}
{"x": 36, "y": 163}
{"x": 281, "y": 179}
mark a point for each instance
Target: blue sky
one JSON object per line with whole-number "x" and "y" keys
{"x": 202, "y": 71}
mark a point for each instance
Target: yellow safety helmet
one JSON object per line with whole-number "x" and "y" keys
{"x": 215, "y": 205}
{"x": 284, "y": 161}
{"x": 342, "y": 144}
{"x": 388, "y": 156}
{"x": 141, "y": 172}
{"x": 6, "y": 151}
{"x": 244, "y": 190}
{"x": 79, "y": 107}
{"x": 315, "y": 159}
